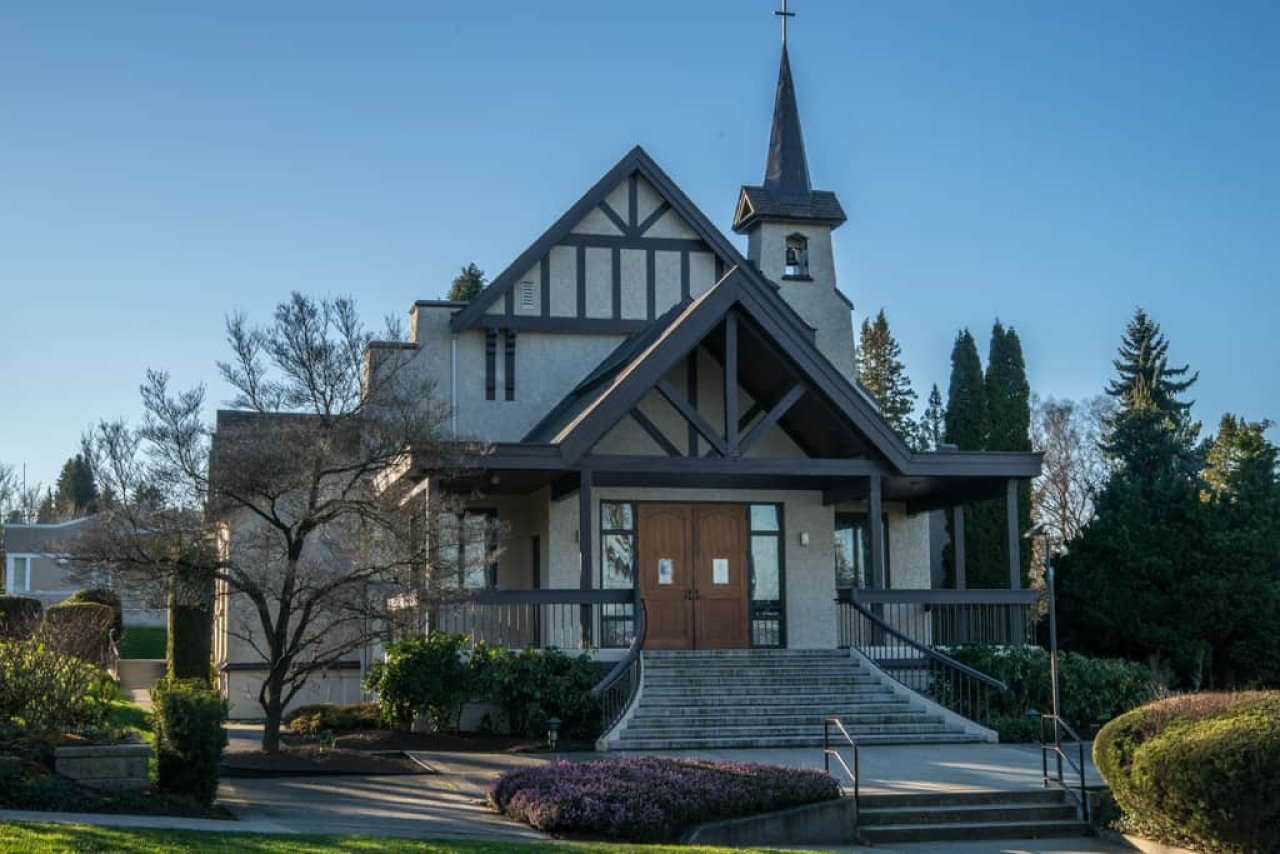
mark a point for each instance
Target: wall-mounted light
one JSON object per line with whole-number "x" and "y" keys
{"x": 804, "y": 539}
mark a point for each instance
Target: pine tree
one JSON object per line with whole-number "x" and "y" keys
{"x": 882, "y": 373}
{"x": 933, "y": 423}
{"x": 1009, "y": 426}
{"x": 77, "y": 490}
{"x": 468, "y": 284}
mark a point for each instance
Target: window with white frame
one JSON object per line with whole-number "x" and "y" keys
{"x": 18, "y": 577}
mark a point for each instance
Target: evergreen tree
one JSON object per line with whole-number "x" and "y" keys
{"x": 933, "y": 423}
{"x": 76, "y": 494}
{"x": 882, "y": 373}
{"x": 1009, "y": 427}
{"x": 468, "y": 284}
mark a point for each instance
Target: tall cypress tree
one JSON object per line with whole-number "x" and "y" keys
{"x": 882, "y": 373}
{"x": 1009, "y": 428}
{"x": 933, "y": 423}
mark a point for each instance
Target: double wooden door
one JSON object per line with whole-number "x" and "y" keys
{"x": 694, "y": 575}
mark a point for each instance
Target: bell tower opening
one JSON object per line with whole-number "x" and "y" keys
{"x": 796, "y": 264}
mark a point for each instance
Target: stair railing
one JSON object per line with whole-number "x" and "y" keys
{"x": 830, "y": 752}
{"x": 921, "y": 668}
{"x": 1061, "y": 756}
{"x": 619, "y": 687}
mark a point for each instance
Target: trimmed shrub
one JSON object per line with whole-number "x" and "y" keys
{"x": 423, "y": 676}
{"x": 1199, "y": 769}
{"x": 46, "y": 692}
{"x": 189, "y": 647}
{"x": 532, "y": 687}
{"x": 1092, "y": 690}
{"x": 19, "y": 616}
{"x": 189, "y": 738}
{"x": 80, "y": 629}
{"x": 310, "y": 721}
{"x": 102, "y": 596}
{"x": 651, "y": 799}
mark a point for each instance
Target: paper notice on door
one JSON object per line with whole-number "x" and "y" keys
{"x": 666, "y": 571}
{"x": 720, "y": 570}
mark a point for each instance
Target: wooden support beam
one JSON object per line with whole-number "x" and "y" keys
{"x": 875, "y": 520}
{"x": 691, "y": 415}
{"x": 731, "y": 383}
{"x": 586, "y": 538}
{"x": 771, "y": 417}
{"x": 957, "y": 544}
{"x": 654, "y": 433}
{"x": 1014, "y": 535}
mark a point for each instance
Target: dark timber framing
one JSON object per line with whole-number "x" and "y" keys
{"x": 509, "y": 363}
{"x": 490, "y": 364}
{"x": 581, "y": 260}
{"x": 654, "y": 433}
{"x": 692, "y": 416}
{"x": 691, "y": 362}
{"x": 545, "y": 283}
{"x": 586, "y": 537}
{"x": 875, "y": 514}
{"x": 615, "y": 263}
{"x": 731, "y": 384}
{"x": 771, "y": 418}
{"x": 957, "y": 545}
{"x": 1015, "y": 541}
{"x": 650, "y": 284}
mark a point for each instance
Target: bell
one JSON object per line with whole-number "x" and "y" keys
{"x": 791, "y": 257}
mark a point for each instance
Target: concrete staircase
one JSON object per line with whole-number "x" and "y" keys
{"x": 1029, "y": 814}
{"x": 772, "y": 698}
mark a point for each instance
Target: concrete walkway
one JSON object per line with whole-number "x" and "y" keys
{"x": 165, "y": 822}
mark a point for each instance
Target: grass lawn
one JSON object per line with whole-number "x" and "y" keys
{"x": 143, "y": 642}
{"x": 126, "y": 715}
{"x": 36, "y": 838}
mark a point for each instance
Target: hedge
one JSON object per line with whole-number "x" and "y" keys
{"x": 1092, "y": 690}
{"x": 310, "y": 721}
{"x": 190, "y": 641}
{"x": 651, "y": 799}
{"x": 80, "y": 629}
{"x": 1201, "y": 769}
{"x": 19, "y": 616}
{"x": 102, "y": 596}
{"x": 189, "y": 738}
{"x": 46, "y": 692}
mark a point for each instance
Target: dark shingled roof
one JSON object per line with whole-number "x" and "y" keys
{"x": 787, "y": 193}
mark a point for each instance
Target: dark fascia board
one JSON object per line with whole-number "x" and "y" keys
{"x": 503, "y": 455}
{"x": 440, "y": 303}
{"x": 392, "y": 345}
{"x": 1009, "y": 464}
{"x": 636, "y": 160}
{"x": 794, "y": 468}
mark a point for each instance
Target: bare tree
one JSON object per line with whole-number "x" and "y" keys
{"x": 290, "y": 504}
{"x": 1075, "y": 468}
{"x": 10, "y": 485}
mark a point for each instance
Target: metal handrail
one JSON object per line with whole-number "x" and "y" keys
{"x": 930, "y": 652}
{"x": 1061, "y": 756}
{"x": 631, "y": 664}
{"x": 829, "y": 752}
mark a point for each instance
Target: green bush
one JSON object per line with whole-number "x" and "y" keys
{"x": 1199, "y": 769}
{"x": 44, "y": 691}
{"x": 190, "y": 642}
{"x": 19, "y": 616}
{"x": 423, "y": 676}
{"x": 1091, "y": 690}
{"x": 532, "y": 687}
{"x": 80, "y": 629}
{"x": 143, "y": 642}
{"x": 189, "y": 738}
{"x": 310, "y": 721}
{"x": 102, "y": 596}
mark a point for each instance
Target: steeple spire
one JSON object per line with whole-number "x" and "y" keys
{"x": 786, "y": 170}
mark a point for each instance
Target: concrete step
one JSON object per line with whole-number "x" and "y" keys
{"x": 890, "y": 833}
{"x": 651, "y": 719}
{"x": 626, "y": 743}
{"x": 758, "y": 654}
{"x": 653, "y": 730}
{"x": 787, "y": 679}
{"x": 961, "y": 799}
{"x": 722, "y": 689}
{"x": 842, "y": 710}
{"x": 974, "y": 814}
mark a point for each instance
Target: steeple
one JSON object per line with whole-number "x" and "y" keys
{"x": 786, "y": 171}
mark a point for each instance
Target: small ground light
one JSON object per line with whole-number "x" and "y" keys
{"x": 553, "y": 732}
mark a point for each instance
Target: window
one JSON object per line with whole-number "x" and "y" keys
{"x": 468, "y": 549}
{"x": 853, "y": 551}
{"x": 797, "y": 259}
{"x": 617, "y": 570}
{"x": 766, "y": 575}
{"x": 18, "y": 578}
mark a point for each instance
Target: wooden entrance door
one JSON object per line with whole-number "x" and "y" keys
{"x": 694, "y": 575}
{"x": 666, "y": 575}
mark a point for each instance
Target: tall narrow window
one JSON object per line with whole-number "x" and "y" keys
{"x": 797, "y": 258}
{"x": 766, "y": 575}
{"x": 617, "y": 570}
{"x": 19, "y": 580}
{"x": 468, "y": 549}
{"x": 853, "y": 552}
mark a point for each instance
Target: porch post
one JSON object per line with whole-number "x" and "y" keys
{"x": 876, "y": 523}
{"x": 731, "y": 384}
{"x": 1015, "y": 541}
{"x": 957, "y": 544}
{"x": 585, "y": 542}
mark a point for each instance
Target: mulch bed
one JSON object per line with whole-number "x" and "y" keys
{"x": 391, "y": 740}
{"x": 308, "y": 761}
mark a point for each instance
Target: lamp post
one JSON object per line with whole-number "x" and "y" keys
{"x": 1040, "y": 531}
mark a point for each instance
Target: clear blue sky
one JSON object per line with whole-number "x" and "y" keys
{"x": 1053, "y": 164}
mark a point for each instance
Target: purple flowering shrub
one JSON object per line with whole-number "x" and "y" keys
{"x": 651, "y": 799}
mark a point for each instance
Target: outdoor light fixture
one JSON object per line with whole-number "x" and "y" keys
{"x": 804, "y": 538}
{"x": 553, "y": 732}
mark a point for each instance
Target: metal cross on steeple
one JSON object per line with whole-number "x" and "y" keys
{"x": 784, "y": 14}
